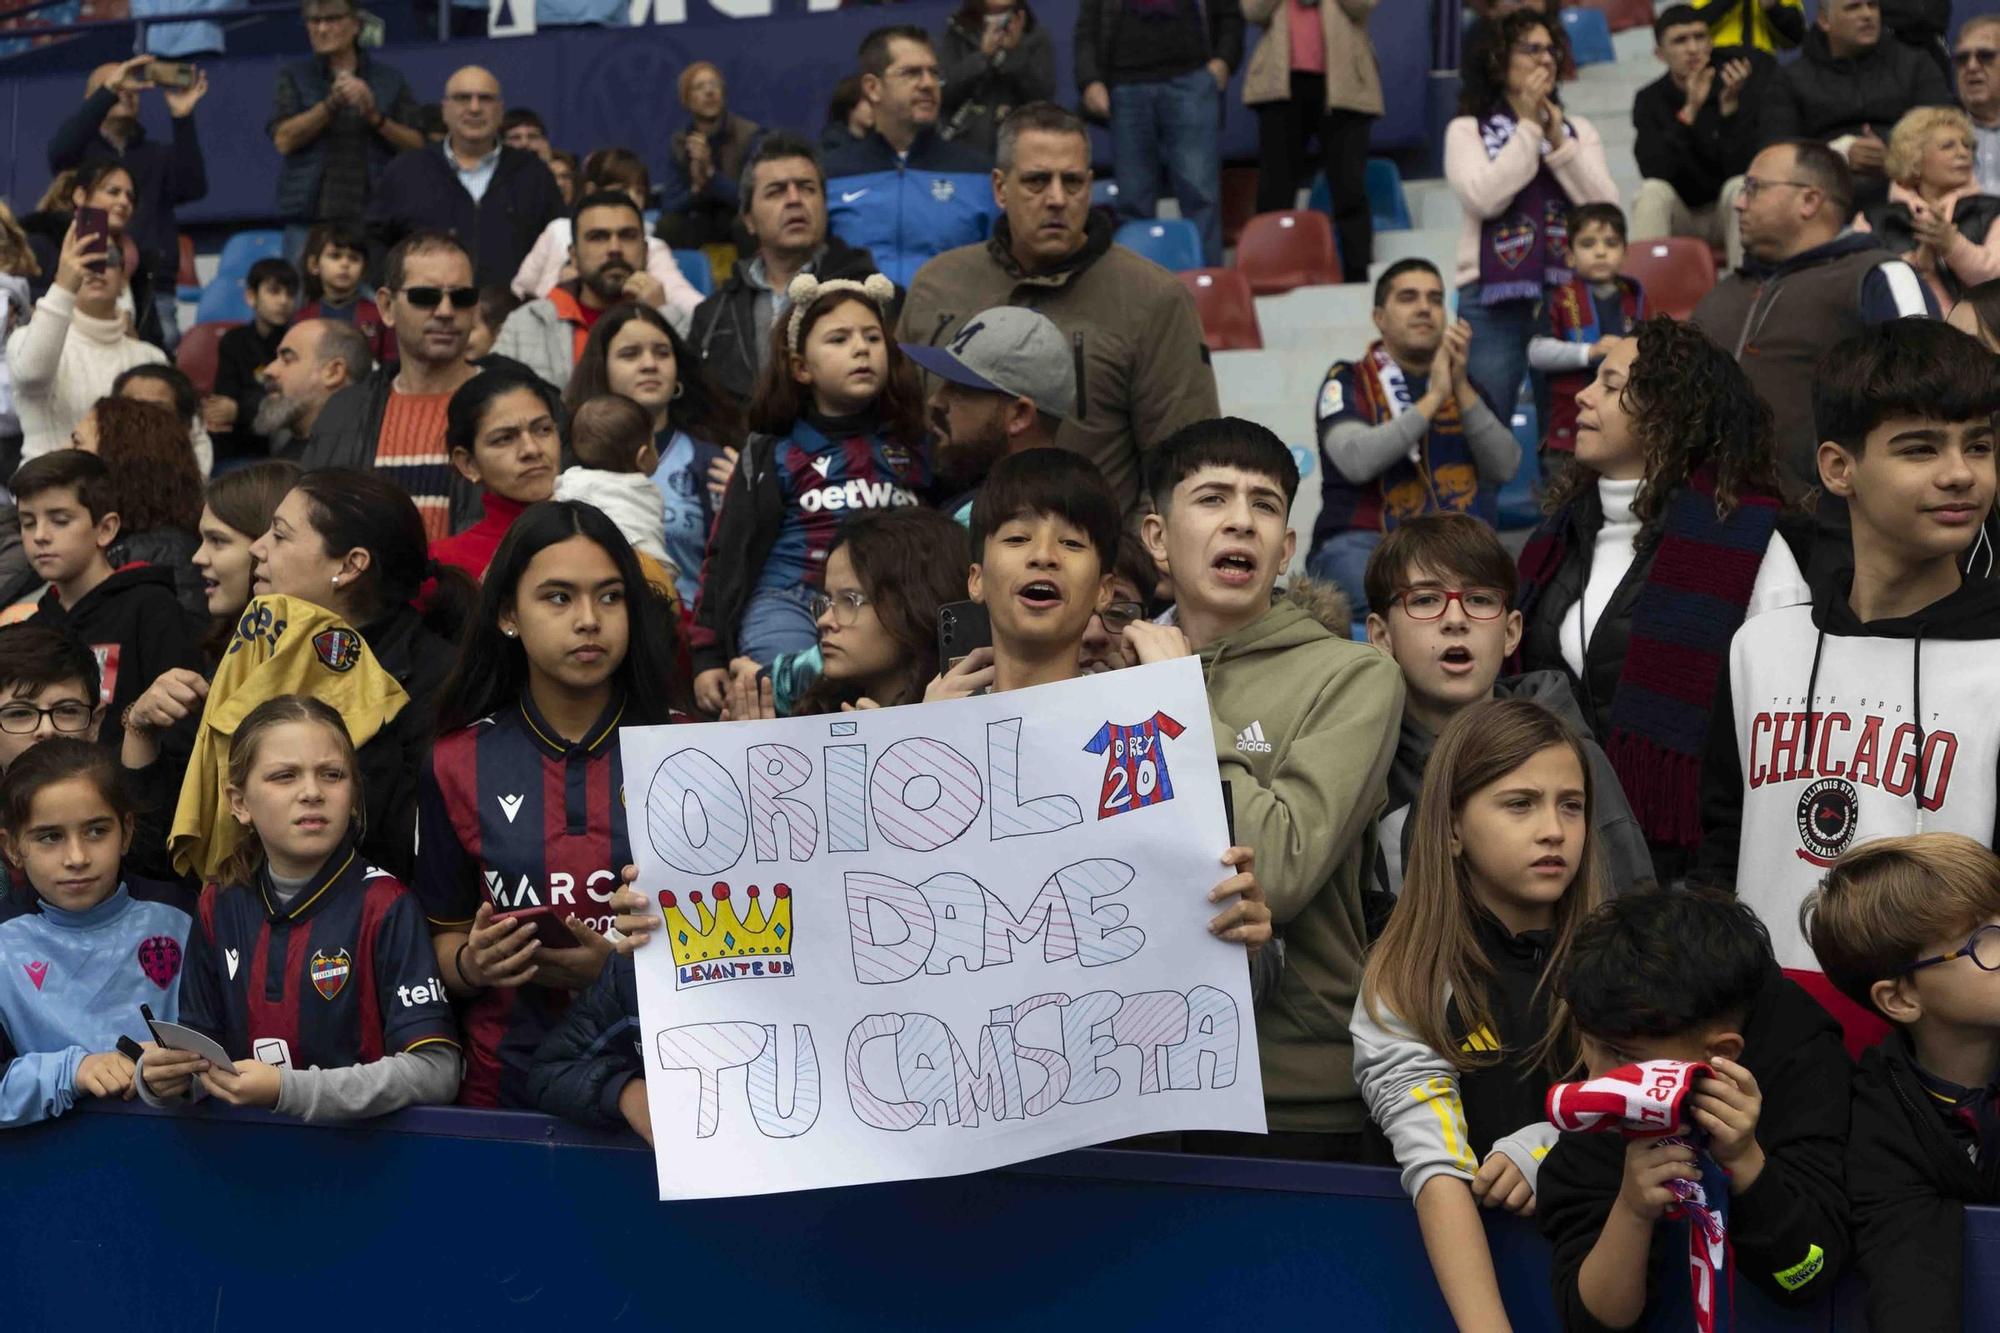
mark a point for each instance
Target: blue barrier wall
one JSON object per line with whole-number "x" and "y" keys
{"x": 598, "y": 86}
{"x": 445, "y": 1219}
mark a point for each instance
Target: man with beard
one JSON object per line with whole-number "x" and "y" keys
{"x": 609, "y": 251}
{"x": 316, "y": 359}
{"x": 1005, "y": 383}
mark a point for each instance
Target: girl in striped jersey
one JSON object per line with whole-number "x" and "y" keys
{"x": 1457, "y": 1035}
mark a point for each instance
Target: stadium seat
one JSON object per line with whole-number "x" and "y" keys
{"x": 198, "y": 351}
{"x": 1386, "y": 203}
{"x": 1173, "y": 243}
{"x": 1589, "y": 37}
{"x": 187, "y": 283}
{"x": 1676, "y": 272}
{"x": 1239, "y": 201}
{"x": 1228, "y": 313}
{"x": 245, "y": 248}
{"x": 695, "y": 268}
{"x": 223, "y": 302}
{"x": 1283, "y": 250}
{"x": 1520, "y": 498}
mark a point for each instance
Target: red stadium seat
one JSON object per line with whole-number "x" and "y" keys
{"x": 1293, "y": 248}
{"x": 198, "y": 353}
{"x": 1239, "y": 201}
{"x": 1677, "y": 271}
{"x": 1228, "y": 314}
{"x": 186, "y": 277}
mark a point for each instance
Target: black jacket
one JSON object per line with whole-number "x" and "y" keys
{"x": 171, "y": 549}
{"x": 241, "y": 358}
{"x": 1696, "y": 159}
{"x": 585, "y": 1063}
{"x": 1500, "y": 1099}
{"x": 420, "y": 189}
{"x": 1974, "y": 216}
{"x": 1909, "y": 1179}
{"x": 136, "y": 628}
{"x": 1114, "y": 46}
{"x": 163, "y": 174}
{"x": 1798, "y": 1205}
{"x": 724, "y": 331}
{"x": 348, "y": 430}
{"x": 1819, "y": 97}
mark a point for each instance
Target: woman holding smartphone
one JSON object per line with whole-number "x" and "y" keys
{"x": 996, "y": 57}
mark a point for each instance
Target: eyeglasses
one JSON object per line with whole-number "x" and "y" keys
{"x": 1430, "y": 603}
{"x": 1534, "y": 50}
{"x": 917, "y": 74}
{"x": 1752, "y": 186}
{"x": 1983, "y": 949}
{"x": 1118, "y": 615}
{"x": 843, "y": 606}
{"x": 1974, "y": 55}
{"x": 429, "y": 298}
{"x": 22, "y": 719}
{"x": 471, "y": 99}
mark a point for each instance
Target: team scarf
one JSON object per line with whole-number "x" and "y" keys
{"x": 1697, "y": 591}
{"x": 1525, "y": 249}
{"x": 1573, "y": 319}
{"x": 1649, "y": 1101}
{"x": 1443, "y": 453}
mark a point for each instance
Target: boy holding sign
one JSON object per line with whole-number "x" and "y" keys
{"x": 1305, "y": 727}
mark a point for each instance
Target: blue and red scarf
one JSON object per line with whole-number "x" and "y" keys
{"x": 1524, "y": 250}
{"x": 1573, "y": 318}
{"x": 1696, "y": 594}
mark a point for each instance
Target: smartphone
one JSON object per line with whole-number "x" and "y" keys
{"x": 550, "y": 929}
{"x": 171, "y": 74}
{"x": 95, "y": 222}
{"x": 962, "y": 626}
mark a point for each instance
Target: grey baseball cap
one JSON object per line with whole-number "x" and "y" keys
{"x": 1009, "y": 350}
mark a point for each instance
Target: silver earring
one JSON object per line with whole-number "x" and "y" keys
{"x": 509, "y": 633}
{"x": 336, "y": 580}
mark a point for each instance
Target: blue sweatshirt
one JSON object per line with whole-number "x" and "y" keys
{"x": 71, "y": 984}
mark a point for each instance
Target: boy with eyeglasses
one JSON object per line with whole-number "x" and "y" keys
{"x": 1441, "y": 588}
{"x": 1910, "y": 928}
{"x": 48, "y": 687}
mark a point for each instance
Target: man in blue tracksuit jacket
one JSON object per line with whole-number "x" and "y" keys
{"x": 902, "y": 192}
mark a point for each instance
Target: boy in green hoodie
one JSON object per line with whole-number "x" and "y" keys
{"x": 1305, "y": 726}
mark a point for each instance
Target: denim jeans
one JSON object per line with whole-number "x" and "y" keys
{"x": 1498, "y": 360}
{"x": 166, "y": 303}
{"x": 776, "y": 620}
{"x": 1342, "y": 559}
{"x": 1172, "y": 125}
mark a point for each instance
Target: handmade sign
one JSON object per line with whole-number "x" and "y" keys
{"x": 928, "y": 940}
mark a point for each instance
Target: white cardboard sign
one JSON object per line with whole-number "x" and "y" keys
{"x": 929, "y": 940}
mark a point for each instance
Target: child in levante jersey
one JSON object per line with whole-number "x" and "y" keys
{"x": 839, "y": 428}
{"x": 311, "y": 968}
{"x": 1457, "y": 1034}
{"x": 519, "y": 806}
{"x": 73, "y": 975}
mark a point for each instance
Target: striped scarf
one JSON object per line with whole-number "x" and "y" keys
{"x": 1696, "y": 594}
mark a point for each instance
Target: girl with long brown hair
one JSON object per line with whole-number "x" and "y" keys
{"x": 1457, "y": 1032}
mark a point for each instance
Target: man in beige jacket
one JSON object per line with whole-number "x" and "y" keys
{"x": 1142, "y": 370}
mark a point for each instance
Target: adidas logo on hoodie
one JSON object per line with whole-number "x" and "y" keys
{"x": 1251, "y": 740}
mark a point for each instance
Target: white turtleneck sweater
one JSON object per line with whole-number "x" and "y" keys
{"x": 1779, "y": 580}
{"x": 62, "y": 363}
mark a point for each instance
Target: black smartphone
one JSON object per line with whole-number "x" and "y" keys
{"x": 95, "y": 222}
{"x": 962, "y": 626}
{"x": 171, "y": 74}
{"x": 550, "y": 929}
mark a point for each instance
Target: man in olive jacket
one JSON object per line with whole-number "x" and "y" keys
{"x": 1142, "y": 369}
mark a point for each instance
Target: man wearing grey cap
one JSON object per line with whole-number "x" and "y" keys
{"x": 1005, "y": 382}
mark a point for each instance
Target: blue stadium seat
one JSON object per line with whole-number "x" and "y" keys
{"x": 1520, "y": 498}
{"x": 1589, "y": 36}
{"x": 1172, "y": 243}
{"x": 1385, "y": 196}
{"x": 1104, "y": 193}
{"x": 1304, "y": 456}
{"x": 242, "y": 250}
{"x": 696, "y": 269}
{"x": 222, "y": 301}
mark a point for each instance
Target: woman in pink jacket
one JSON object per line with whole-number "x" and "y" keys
{"x": 1518, "y": 163}
{"x": 1935, "y": 216}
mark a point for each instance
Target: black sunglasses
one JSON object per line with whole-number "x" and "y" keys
{"x": 429, "y": 298}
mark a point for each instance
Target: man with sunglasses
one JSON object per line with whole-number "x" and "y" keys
{"x": 496, "y": 199}
{"x": 1976, "y": 58}
{"x": 393, "y": 421}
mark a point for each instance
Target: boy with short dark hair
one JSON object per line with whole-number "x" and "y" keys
{"x": 128, "y": 617}
{"x": 272, "y": 288}
{"x": 1875, "y": 711}
{"x": 1587, "y": 316}
{"x": 1688, "y": 975}
{"x": 1910, "y": 927}
{"x": 1305, "y": 725}
{"x": 1441, "y": 593}
{"x": 48, "y": 687}
{"x": 336, "y": 261}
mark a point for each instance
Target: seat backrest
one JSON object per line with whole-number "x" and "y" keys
{"x": 1172, "y": 243}
{"x": 1589, "y": 37}
{"x": 1386, "y": 201}
{"x": 1287, "y": 249}
{"x": 1676, "y": 271}
{"x": 694, "y": 266}
{"x": 199, "y": 350}
{"x": 186, "y": 277}
{"x": 1239, "y": 200}
{"x": 1228, "y": 311}
{"x": 245, "y": 248}
{"x": 222, "y": 301}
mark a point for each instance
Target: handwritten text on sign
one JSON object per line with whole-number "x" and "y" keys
{"x": 928, "y": 940}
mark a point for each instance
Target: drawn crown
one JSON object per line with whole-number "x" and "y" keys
{"x": 708, "y": 932}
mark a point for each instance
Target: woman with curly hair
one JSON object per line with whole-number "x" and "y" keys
{"x": 155, "y": 487}
{"x": 1517, "y": 162}
{"x": 1661, "y": 539}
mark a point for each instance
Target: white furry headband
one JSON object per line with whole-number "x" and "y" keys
{"x": 807, "y": 291}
